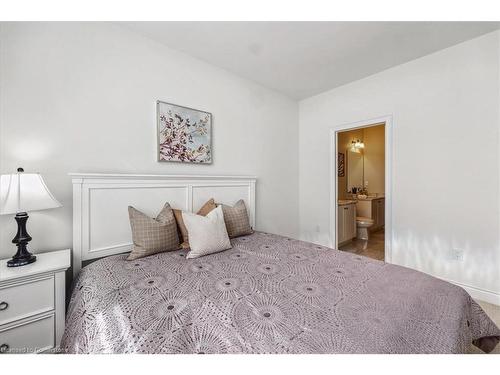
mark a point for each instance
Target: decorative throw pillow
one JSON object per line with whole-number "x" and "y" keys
{"x": 151, "y": 236}
{"x": 207, "y": 234}
{"x": 183, "y": 233}
{"x": 236, "y": 219}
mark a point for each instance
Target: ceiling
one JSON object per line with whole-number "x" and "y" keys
{"x": 302, "y": 59}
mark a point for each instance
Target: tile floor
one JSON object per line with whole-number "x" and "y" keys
{"x": 373, "y": 248}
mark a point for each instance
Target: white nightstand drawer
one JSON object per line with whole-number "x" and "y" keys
{"x": 26, "y": 299}
{"x": 33, "y": 308}
{"x": 32, "y": 337}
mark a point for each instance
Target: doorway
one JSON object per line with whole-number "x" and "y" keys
{"x": 360, "y": 188}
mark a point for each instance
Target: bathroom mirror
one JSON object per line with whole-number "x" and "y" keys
{"x": 355, "y": 169}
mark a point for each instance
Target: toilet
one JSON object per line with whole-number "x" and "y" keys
{"x": 362, "y": 224}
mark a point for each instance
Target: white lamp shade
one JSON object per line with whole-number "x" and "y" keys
{"x": 23, "y": 192}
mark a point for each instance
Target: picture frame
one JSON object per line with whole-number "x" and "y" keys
{"x": 341, "y": 164}
{"x": 184, "y": 134}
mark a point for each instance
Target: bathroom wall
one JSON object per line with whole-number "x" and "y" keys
{"x": 343, "y": 141}
{"x": 374, "y": 159}
{"x": 80, "y": 97}
{"x": 373, "y": 155}
{"x": 445, "y": 194}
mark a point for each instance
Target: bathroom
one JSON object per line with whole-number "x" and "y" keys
{"x": 361, "y": 191}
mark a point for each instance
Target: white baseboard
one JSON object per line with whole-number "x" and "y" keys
{"x": 480, "y": 294}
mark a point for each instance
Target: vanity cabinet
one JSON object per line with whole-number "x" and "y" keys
{"x": 374, "y": 209}
{"x": 380, "y": 221}
{"x": 346, "y": 218}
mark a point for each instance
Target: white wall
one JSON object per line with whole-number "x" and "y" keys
{"x": 445, "y": 192}
{"x": 80, "y": 97}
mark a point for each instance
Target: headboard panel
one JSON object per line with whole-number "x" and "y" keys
{"x": 100, "y": 218}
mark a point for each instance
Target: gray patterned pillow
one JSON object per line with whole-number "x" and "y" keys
{"x": 151, "y": 236}
{"x": 236, "y": 219}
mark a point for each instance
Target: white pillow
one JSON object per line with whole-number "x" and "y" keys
{"x": 207, "y": 234}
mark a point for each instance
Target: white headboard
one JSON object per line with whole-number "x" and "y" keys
{"x": 100, "y": 218}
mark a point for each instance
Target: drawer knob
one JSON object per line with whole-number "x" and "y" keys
{"x": 3, "y": 306}
{"x": 4, "y": 348}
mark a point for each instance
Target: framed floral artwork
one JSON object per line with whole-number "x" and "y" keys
{"x": 184, "y": 134}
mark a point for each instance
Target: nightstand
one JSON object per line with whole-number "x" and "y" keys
{"x": 32, "y": 304}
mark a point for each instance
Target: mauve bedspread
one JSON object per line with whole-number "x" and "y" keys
{"x": 269, "y": 294}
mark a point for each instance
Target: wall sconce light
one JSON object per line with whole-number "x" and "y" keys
{"x": 357, "y": 145}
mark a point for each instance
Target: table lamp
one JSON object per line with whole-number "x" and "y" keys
{"x": 19, "y": 193}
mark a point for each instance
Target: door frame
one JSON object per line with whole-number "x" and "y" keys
{"x": 388, "y": 178}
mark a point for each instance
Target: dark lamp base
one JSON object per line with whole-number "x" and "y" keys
{"x": 22, "y": 256}
{"x": 17, "y": 262}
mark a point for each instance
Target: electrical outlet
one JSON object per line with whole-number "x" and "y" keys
{"x": 457, "y": 254}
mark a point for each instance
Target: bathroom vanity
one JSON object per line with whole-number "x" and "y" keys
{"x": 346, "y": 221}
{"x": 373, "y": 208}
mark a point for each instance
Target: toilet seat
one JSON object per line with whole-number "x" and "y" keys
{"x": 364, "y": 220}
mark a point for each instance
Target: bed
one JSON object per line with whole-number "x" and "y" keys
{"x": 268, "y": 294}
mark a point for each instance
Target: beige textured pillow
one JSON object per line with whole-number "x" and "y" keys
{"x": 207, "y": 234}
{"x": 236, "y": 219}
{"x": 151, "y": 236}
{"x": 183, "y": 233}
